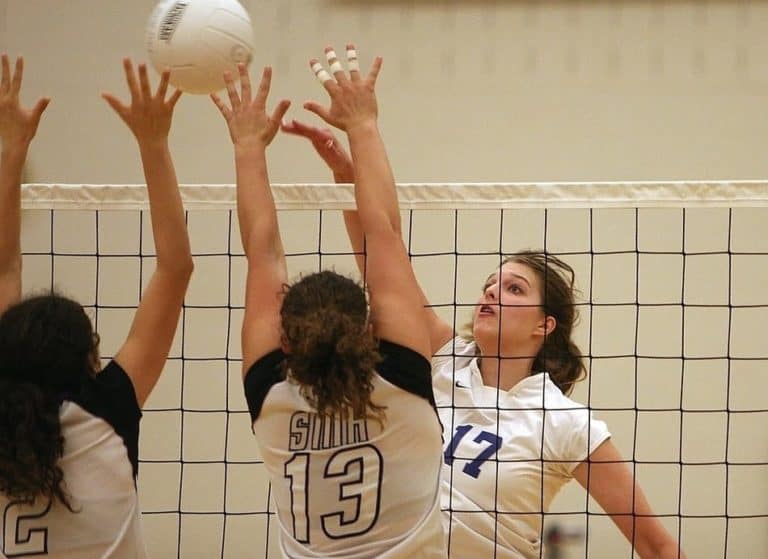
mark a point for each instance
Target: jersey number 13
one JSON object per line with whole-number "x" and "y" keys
{"x": 353, "y": 473}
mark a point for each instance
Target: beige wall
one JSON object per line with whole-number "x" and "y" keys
{"x": 471, "y": 91}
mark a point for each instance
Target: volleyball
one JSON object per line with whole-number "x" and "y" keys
{"x": 197, "y": 40}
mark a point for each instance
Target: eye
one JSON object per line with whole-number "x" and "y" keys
{"x": 515, "y": 288}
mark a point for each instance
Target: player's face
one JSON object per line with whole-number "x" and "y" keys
{"x": 509, "y": 313}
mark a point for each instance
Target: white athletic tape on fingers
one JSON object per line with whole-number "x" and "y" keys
{"x": 320, "y": 72}
{"x": 330, "y": 55}
{"x": 353, "y": 64}
{"x": 336, "y": 67}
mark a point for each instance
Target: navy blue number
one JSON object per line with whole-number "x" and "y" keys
{"x": 472, "y": 468}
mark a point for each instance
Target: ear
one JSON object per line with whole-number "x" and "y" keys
{"x": 546, "y": 326}
{"x": 284, "y": 344}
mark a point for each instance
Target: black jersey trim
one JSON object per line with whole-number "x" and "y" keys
{"x": 110, "y": 395}
{"x": 407, "y": 370}
{"x": 260, "y": 378}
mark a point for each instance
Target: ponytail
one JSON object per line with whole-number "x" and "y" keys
{"x": 331, "y": 353}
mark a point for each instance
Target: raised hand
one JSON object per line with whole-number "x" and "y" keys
{"x": 328, "y": 147}
{"x": 247, "y": 118}
{"x": 353, "y": 98}
{"x": 148, "y": 116}
{"x": 17, "y": 124}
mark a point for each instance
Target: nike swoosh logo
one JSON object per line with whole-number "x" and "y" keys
{"x": 460, "y": 385}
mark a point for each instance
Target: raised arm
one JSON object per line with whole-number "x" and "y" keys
{"x": 333, "y": 153}
{"x": 396, "y": 307}
{"x": 149, "y": 340}
{"x": 252, "y": 130}
{"x": 610, "y": 482}
{"x": 17, "y": 128}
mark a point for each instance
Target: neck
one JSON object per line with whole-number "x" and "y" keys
{"x": 504, "y": 373}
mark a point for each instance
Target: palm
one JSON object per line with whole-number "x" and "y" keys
{"x": 17, "y": 124}
{"x": 246, "y": 116}
{"x": 149, "y": 115}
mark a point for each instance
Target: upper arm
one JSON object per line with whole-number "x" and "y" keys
{"x": 609, "y": 480}
{"x": 10, "y": 290}
{"x": 149, "y": 340}
{"x": 397, "y": 310}
{"x": 440, "y": 332}
{"x": 264, "y": 284}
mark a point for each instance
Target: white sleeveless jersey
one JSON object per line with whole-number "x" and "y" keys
{"x": 353, "y": 488}
{"x": 506, "y": 455}
{"x": 101, "y": 430}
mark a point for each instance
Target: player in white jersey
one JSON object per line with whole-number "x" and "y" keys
{"x": 512, "y": 437}
{"x": 69, "y": 432}
{"x": 340, "y": 398}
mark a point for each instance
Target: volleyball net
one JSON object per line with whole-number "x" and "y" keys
{"x": 673, "y": 281}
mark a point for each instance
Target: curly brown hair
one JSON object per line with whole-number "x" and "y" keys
{"x": 47, "y": 349}
{"x": 331, "y": 353}
{"x": 559, "y": 355}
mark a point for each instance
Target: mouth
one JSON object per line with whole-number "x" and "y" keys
{"x": 486, "y": 310}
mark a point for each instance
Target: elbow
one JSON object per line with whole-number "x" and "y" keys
{"x": 181, "y": 268}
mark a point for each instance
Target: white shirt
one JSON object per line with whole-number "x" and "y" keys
{"x": 507, "y": 454}
{"x": 353, "y": 488}
{"x": 100, "y": 428}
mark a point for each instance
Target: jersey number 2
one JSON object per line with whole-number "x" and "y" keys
{"x": 19, "y": 538}
{"x": 349, "y": 469}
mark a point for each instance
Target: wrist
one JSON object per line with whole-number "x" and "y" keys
{"x": 249, "y": 146}
{"x": 346, "y": 176}
{"x": 362, "y": 127}
{"x": 154, "y": 144}
{"x": 12, "y": 151}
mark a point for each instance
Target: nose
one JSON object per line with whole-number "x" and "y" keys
{"x": 490, "y": 292}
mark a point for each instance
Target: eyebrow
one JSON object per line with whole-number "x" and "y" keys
{"x": 495, "y": 276}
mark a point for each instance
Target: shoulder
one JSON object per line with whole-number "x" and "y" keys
{"x": 406, "y": 369}
{"x": 457, "y": 353}
{"x": 266, "y": 372}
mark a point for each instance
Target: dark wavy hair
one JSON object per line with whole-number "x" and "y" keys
{"x": 331, "y": 353}
{"x": 559, "y": 355}
{"x": 47, "y": 349}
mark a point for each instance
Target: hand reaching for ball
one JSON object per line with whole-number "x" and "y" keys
{"x": 246, "y": 116}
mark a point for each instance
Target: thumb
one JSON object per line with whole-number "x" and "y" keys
{"x": 319, "y": 110}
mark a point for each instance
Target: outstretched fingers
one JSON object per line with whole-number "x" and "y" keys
{"x": 352, "y": 62}
{"x": 335, "y": 66}
{"x": 279, "y": 112}
{"x": 264, "y": 86}
{"x": 5, "y": 79}
{"x": 130, "y": 79}
{"x": 234, "y": 97}
{"x": 18, "y": 73}
{"x": 319, "y": 110}
{"x": 146, "y": 91}
{"x": 373, "y": 74}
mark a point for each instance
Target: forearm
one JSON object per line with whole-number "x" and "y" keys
{"x": 12, "y": 159}
{"x": 167, "y": 210}
{"x": 257, "y": 215}
{"x": 652, "y": 541}
{"x": 374, "y": 183}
